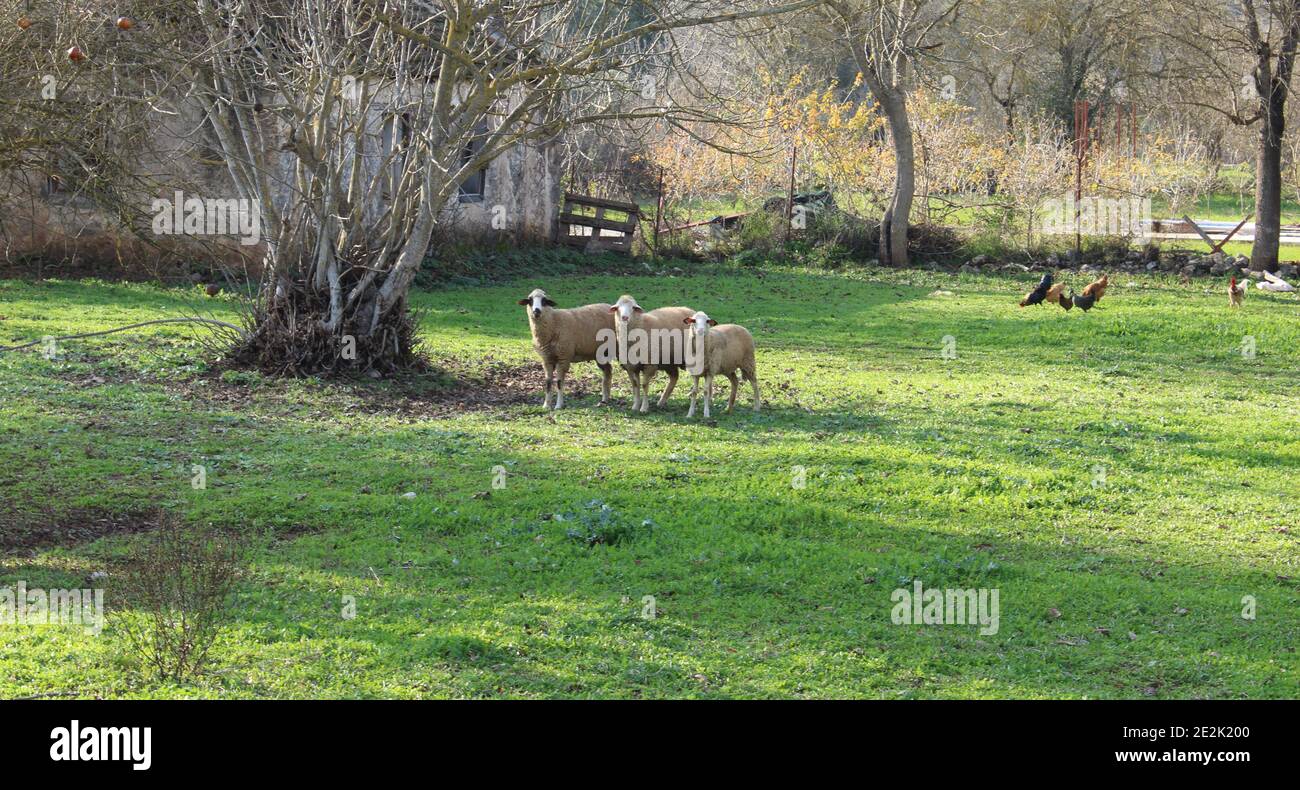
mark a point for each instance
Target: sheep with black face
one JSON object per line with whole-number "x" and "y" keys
{"x": 564, "y": 336}
{"x": 719, "y": 350}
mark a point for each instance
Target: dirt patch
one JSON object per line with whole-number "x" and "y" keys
{"x": 493, "y": 385}
{"x": 70, "y": 529}
{"x": 460, "y": 388}
{"x": 102, "y": 376}
{"x": 453, "y": 387}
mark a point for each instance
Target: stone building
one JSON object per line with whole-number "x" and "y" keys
{"x": 57, "y": 222}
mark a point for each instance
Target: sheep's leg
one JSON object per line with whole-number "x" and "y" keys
{"x": 606, "y": 376}
{"x": 549, "y": 368}
{"x": 735, "y": 382}
{"x": 561, "y": 370}
{"x": 708, "y": 394}
{"x": 672, "y": 382}
{"x": 634, "y": 377}
{"x": 753, "y": 382}
{"x": 647, "y": 375}
{"x": 695, "y": 391}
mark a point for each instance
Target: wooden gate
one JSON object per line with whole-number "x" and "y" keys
{"x": 595, "y": 224}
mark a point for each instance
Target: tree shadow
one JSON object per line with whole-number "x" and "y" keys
{"x": 762, "y": 588}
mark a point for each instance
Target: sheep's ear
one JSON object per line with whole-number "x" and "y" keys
{"x": 712, "y": 322}
{"x": 548, "y": 302}
{"x": 524, "y": 302}
{"x": 688, "y": 321}
{"x": 614, "y": 309}
{"x": 636, "y": 308}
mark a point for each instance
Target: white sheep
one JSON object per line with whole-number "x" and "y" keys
{"x": 719, "y": 351}
{"x": 648, "y": 341}
{"x": 562, "y": 337}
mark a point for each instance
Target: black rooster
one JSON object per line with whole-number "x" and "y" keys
{"x": 1084, "y": 303}
{"x": 1039, "y": 293}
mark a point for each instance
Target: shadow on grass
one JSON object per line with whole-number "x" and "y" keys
{"x": 760, "y": 588}
{"x": 747, "y": 602}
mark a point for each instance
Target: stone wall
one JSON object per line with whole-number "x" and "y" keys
{"x": 519, "y": 205}
{"x": 522, "y": 195}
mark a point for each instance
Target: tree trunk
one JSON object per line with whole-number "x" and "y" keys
{"x": 301, "y": 330}
{"x": 1268, "y": 188}
{"x": 894, "y": 223}
{"x": 1272, "y": 88}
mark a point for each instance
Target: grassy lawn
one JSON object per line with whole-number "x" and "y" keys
{"x": 1287, "y": 253}
{"x": 1123, "y": 478}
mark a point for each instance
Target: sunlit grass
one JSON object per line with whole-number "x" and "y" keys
{"x": 1123, "y": 477}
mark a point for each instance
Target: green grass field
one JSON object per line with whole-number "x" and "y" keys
{"x": 1287, "y": 253}
{"x": 1123, "y": 478}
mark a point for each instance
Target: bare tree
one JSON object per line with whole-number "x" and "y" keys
{"x": 887, "y": 39}
{"x": 1084, "y": 46}
{"x": 79, "y": 88}
{"x": 993, "y": 45}
{"x": 1246, "y": 78}
{"x": 1273, "y": 68}
{"x": 352, "y": 125}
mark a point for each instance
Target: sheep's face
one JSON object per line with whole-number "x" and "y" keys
{"x": 700, "y": 323}
{"x": 537, "y": 300}
{"x": 624, "y": 309}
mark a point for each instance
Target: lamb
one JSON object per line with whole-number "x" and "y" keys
{"x": 648, "y": 341}
{"x": 562, "y": 337}
{"x": 719, "y": 351}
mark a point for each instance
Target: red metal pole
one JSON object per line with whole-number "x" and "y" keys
{"x": 1081, "y": 139}
{"x": 789, "y": 203}
{"x": 659, "y": 211}
{"x": 1133, "y": 128}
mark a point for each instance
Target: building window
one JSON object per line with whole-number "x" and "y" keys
{"x": 54, "y": 185}
{"x": 69, "y": 182}
{"x": 474, "y": 188}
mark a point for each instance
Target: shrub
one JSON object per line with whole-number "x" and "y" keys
{"x": 831, "y": 239}
{"x": 857, "y": 237}
{"x": 599, "y": 524}
{"x": 176, "y": 582}
{"x": 761, "y": 232}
